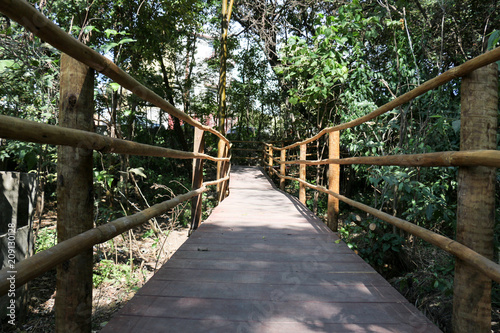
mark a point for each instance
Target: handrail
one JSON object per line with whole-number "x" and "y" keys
{"x": 34, "y": 266}
{"x": 32, "y": 131}
{"x": 476, "y": 159}
{"x": 26, "y": 130}
{"x": 453, "y": 73}
{"x": 26, "y": 15}
{"x": 489, "y": 158}
{"x": 485, "y": 265}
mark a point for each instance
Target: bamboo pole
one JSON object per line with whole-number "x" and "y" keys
{"x": 44, "y": 261}
{"x": 484, "y": 265}
{"x": 26, "y": 15}
{"x": 220, "y": 154}
{"x": 489, "y": 158}
{"x": 456, "y": 72}
{"x": 283, "y": 170}
{"x": 302, "y": 174}
{"x": 225, "y": 173}
{"x": 31, "y": 131}
{"x": 270, "y": 155}
{"x": 333, "y": 180}
{"x": 476, "y": 201}
{"x": 75, "y": 198}
{"x": 197, "y": 180}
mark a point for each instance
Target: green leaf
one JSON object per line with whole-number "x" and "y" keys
{"x": 110, "y": 32}
{"x": 6, "y": 64}
{"x": 126, "y": 40}
{"x": 493, "y": 39}
{"x": 115, "y": 86}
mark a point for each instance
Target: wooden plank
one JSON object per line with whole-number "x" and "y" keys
{"x": 262, "y": 262}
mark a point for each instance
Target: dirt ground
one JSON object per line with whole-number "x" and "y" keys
{"x": 116, "y": 280}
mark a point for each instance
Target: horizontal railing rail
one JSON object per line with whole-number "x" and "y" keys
{"x": 26, "y": 15}
{"x": 479, "y": 155}
{"x": 46, "y": 260}
{"x": 30, "y": 131}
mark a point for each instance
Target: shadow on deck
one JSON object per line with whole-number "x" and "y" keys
{"x": 262, "y": 262}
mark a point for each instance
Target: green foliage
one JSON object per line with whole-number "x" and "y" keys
{"x": 107, "y": 271}
{"x": 45, "y": 239}
{"x": 336, "y": 58}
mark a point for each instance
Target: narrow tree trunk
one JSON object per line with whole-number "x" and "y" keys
{"x": 476, "y": 200}
{"x": 73, "y": 303}
{"x": 226, "y": 15}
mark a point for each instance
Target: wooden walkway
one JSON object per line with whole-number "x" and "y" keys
{"x": 263, "y": 262}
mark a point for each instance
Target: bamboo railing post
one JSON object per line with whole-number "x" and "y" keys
{"x": 270, "y": 160}
{"x": 196, "y": 202}
{"x": 302, "y": 173}
{"x": 283, "y": 169}
{"x": 220, "y": 153}
{"x": 75, "y": 199}
{"x": 224, "y": 172}
{"x": 333, "y": 180}
{"x": 476, "y": 200}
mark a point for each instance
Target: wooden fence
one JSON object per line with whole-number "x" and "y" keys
{"x": 477, "y": 161}
{"x": 76, "y": 235}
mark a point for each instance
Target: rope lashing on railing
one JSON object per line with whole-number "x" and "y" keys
{"x": 488, "y": 267}
{"x": 31, "y": 131}
{"x": 459, "y": 71}
{"x": 26, "y": 15}
{"x": 42, "y": 262}
{"x": 490, "y": 158}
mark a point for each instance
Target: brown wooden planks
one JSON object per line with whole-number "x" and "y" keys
{"x": 262, "y": 262}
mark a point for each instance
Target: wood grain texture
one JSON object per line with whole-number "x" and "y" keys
{"x": 476, "y": 200}
{"x": 262, "y": 262}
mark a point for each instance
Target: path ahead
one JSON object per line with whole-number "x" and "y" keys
{"x": 262, "y": 262}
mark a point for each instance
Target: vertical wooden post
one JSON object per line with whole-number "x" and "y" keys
{"x": 221, "y": 146}
{"x": 196, "y": 202}
{"x": 302, "y": 173}
{"x": 75, "y": 199}
{"x": 271, "y": 155}
{"x": 333, "y": 180}
{"x": 224, "y": 172}
{"x": 263, "y": 159}
{"x": 283, "y": 169}
{"x": 476, "y": 200}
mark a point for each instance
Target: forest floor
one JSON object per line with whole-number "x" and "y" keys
{"x": 115, "y": 280}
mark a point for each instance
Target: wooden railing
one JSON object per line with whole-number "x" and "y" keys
{"x": 477, "y": 159}
{"x": 74, "y": 315}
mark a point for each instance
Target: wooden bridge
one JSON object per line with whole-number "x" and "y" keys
{"x": 262, "y": 262}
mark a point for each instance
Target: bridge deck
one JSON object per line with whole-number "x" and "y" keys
{"x": 262, "y": 262}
